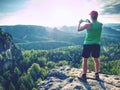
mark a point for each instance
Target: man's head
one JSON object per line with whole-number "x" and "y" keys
{"x": 94, "y": 15}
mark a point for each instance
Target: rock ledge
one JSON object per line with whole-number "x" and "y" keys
{"x": 66, "y": 78}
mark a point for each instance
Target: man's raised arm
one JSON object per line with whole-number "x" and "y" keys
{"x": 86, "y": 26}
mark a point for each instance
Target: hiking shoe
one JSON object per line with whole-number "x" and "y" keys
{"x": 83, "y": 78}
{"x": 97, "y": 76}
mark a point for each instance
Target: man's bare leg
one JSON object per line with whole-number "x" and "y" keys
{"x": 97, "y": 65}
{"x": 97, "y": 68}
{"x": 84, "y": 65}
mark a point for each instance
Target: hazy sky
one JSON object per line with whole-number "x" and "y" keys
{"x": 56, "y": 12}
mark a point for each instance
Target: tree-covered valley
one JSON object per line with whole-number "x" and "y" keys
{"x": 29, "y": 37}
{"x": 43, "y": 48}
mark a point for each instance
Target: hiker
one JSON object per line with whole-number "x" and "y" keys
{"x": 91, "y": 45}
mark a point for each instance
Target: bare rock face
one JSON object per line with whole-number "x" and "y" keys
{"x": 67, "y": 78}
{"x": 9, "y": 52}
{"x": 8, "y": 49}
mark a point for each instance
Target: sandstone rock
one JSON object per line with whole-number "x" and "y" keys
{"x": 9, "y": 53}
{"x": 66, "y": 78}
{"x": 8, "y": 49}
{"x": 57, "y": 73}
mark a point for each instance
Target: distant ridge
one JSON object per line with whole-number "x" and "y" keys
{"x": 40, "y": 37}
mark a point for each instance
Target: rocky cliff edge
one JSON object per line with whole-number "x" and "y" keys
{"x": 67, "y": 78}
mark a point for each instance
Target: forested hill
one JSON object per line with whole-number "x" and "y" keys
{"x": 40, "y": 37}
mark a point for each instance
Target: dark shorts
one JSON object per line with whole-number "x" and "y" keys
{"x": 91, "y": 50}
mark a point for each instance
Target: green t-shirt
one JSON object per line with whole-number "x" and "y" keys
{"x": 93, "y": 34}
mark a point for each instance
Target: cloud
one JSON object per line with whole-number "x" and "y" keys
{"x": 7, "y": 6}
{"x": 55, "y": 12}
{"x": 110, "y": 7}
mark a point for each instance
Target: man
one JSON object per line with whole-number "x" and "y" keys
{"x": 91, "y": 43}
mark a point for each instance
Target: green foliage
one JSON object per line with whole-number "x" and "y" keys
{"x": 7, "y": 75}
{"x": 26, "y": 81}
{"x": 22, "y": 87}
{"x": 42, "y": 61}
{"x": 62, "y": 63}
{"x": 91, "y": 64}
{"x": 1, "y": 58}
{"x": 51, "y": 64}
{"x": 34, "y": 89}
{"x": 2, "y": 80}
{"x": 17, "y": 71}
{"x": 26, "y": 73}
{"x": 11, "y": 86}
{"x": 1, "y": 88}
{"x": 38, "y": 81}
{"x": 34, "y": 71}
{"x": 111, "y": 67}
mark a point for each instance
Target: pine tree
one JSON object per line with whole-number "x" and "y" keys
{"x": 22, "y": 87}
{"x": 11, "y": 86}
